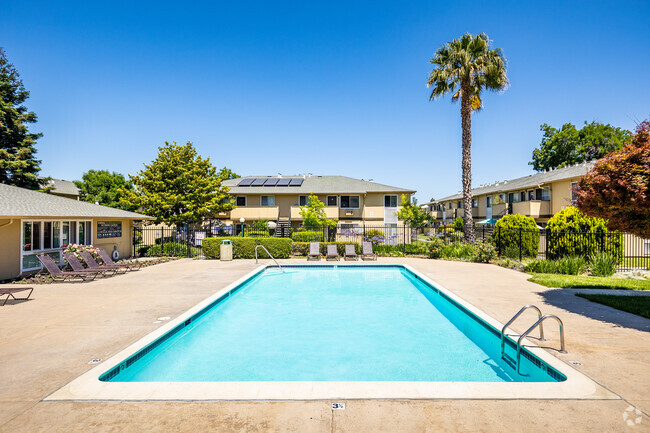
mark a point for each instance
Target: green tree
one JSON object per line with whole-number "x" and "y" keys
{"x": 570, "y": 145}
{"x": 105, "y": 188}
{"x": 18, "y": 163}
{"x": 465, "y": 67}
{"x": 179, "y": 186}
{"x": 412, "y": 215}
{"x": 314, "y": 213}
{"x": 618, "y": 186}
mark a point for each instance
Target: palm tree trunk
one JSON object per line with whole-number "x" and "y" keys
{"x": 466, "y": 118}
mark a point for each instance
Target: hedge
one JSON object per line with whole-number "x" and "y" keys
{"x": 308, "y": 236}
{"x": 506, "y": 234}
{"x": 244, "y": 248}
{"x": 302, "y": 248}
{"x": 168, "y": 249}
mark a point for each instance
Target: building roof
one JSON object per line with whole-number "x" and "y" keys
{"x": 63, "y": 187}
{"x": 532, "y": 180}
{"x": 15, "y": 201}
{"x": 315, "y": 184}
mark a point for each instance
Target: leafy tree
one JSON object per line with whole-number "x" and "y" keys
{"x": 618, "y": 186}
{"x": 314, "y": 213}
{"x": 507, "y": 234}
{"x": 105, "y": 188}
{"x": 412, "y": 214}
{"x": 465, "y": 67}
{"x": 18, "y": 164}
{"x": 179, "y": 186}
{"x": 569, "y": 145}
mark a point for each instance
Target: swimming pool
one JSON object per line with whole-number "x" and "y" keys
{"x": 331, "y": 323}
{"x": 323, "y": 332}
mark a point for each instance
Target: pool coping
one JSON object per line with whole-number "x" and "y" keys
{"x": 88, "y": 386}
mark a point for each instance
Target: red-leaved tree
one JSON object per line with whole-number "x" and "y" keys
{"x": 618, "y": 186}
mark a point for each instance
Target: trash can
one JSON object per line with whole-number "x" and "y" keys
{"x": 225, "y": 253}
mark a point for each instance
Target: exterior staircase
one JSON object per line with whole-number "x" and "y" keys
{"x": 283, "y": 228}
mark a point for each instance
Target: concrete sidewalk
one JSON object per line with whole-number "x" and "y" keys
{"x": 48, "y": 341}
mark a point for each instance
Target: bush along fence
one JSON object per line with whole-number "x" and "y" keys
{"x": 629, "y": 251}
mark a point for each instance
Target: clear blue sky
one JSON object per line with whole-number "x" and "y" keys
{"x": 317, "y": 87}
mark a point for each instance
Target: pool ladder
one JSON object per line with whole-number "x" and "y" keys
{"x": 270, "y": 255}
{"x": 539, "y": 322}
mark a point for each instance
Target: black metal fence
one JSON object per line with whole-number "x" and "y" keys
{"x": 187, "y": 241}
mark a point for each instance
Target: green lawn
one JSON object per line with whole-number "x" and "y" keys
{"x": 639, "y": 305}
{"x": 579, "y": 282}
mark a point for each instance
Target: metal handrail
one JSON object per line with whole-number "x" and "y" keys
{"x": 503, "y": 331}
{"x": 267, "y": 252}
{"x": 539, "y": 322}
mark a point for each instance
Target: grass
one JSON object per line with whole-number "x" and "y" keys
{"x": 639, "y": 305}
{"x": 580, "y": 282}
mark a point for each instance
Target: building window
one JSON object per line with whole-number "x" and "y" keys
{"x": 302, "y": 200}
{"x": 513, "y": 197}
{"x": 241, "y": 201}
{"x": 488, "y": 201}
{"x": 43, "y": 236}
{"x": 499, "y": 198}
{"x": 531, "y": 195}
{"x": 522, "y": 196}
{"x": 332, "y": 200}
{"x": 574, "y": 193}
{"x": 390, "y": 201}
{"x": 475, "y": 203}
{"x": 267, "y": 200}
{"x": 350, "y": 202}
{"x": 460, "y": 204}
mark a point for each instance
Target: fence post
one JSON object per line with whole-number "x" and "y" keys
{"x": 499, "y": 241}
{"x": 520, "y": 243}
{"x": 187, "y": 239}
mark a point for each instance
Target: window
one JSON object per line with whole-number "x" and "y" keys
{"x": 241, "y": 201}
{"x": 267, "y": 200}
{"x": 475, "y": 203}
{"x": 460, "y": 204}
{"x": 574, "y": 192}
{"x": 522, "y": 196}
{"x": 390, "y": 201}
{"x": 302, "y": 200}
{"x": 531, "y": 195}
{"x": 499, "y": 198}
{"x": 350, "y": 202}
{"x": 513, "y": 197}
{"x": 332, "y": 200}
{"x": 45, "y": 236}
{"x": 488, "y": 201}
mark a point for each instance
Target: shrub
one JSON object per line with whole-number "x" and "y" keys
{"x": 485, "y": 252}
{"x": 417, "y": 247}
{"x": 512, "y": 252}
{"x": 308, "y": 236}
{"x": 435, "y": 248}
{"x": 571, "y": 265}
{"x": 459, "y": 223}
{"x": 458, "y": 250}
{"x": 142, "y": 251}
{"x": 571, "y": 233}
{"x": 260, "y": 224}
{"x": 257, "y": 233}
{"x": 244, "y": 248}
{"x": 374, "y": 236}
{"x": 302, "y": 248}
{"x": 603, "y": 264}
{"x": 538, "y": 266}
{"x": 164, "y": 240}
{"x": 506, "y": 234}
{"x": 170, "y": 249}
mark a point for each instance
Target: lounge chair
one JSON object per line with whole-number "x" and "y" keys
{"x": 350, "y": 253}
{"x": 58, "y": 275}
{"x": 367, "y": 253}
{"x": 108, "y": 261}
{"x": 332, "y": 253}
{"x": 314, "y": 251}
{"x": 92, "y": 264}
{"x": 10, "y": 293}
{"x": 77, "y": 266}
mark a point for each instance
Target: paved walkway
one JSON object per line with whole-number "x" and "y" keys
{"x": 48, "y": 341}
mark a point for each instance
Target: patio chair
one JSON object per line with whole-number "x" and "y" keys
{"x": 77, "y": 266}
{"x": 332, "y": 253}
{"x": 11, "y": 290}
{"x": 314, "y": 251}
{"x": 58, "y": 275}
{"x": 108, "y": 261}
{"x": 92, "y": 264}
{"x": 350, "y": 253}
{"x": 367, "y": 253}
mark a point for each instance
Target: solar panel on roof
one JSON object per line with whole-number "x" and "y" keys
{"x": 283, "y": 182}
{"x": 296, "y": 181}
{"x": 246, "y": 181}
{"x": 259, "y": 181}
{"x": 271, "y": 181}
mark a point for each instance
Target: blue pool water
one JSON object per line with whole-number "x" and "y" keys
{"x": 331, "y": 324}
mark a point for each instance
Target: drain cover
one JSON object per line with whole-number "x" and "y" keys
{"x": 576, "y": 362}
{"x": 95, "y": 361}
{"x": 164, "y": 318}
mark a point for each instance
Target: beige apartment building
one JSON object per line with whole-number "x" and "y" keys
{"x": 539, "y": 195}
{"x": 33, "y": 223}
{"x": 279, "y": 198}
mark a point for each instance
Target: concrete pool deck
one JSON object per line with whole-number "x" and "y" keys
{"x": 48, "y": 341}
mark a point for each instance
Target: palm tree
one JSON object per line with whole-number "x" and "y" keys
{"x": 465, "y": 67}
